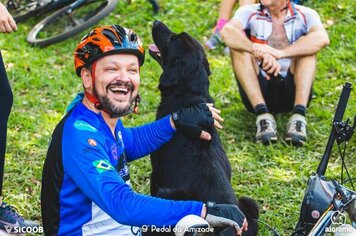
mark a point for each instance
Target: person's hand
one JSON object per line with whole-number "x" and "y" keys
{"x": 7, "y": 23}
{"x": 259, "y": 49}
{"x": 270, "y": 65}
{"x": 190, "y": 121}
{"x": 226, "y": 215}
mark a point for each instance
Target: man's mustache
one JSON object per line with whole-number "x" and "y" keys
{"x": 128, "y": 85}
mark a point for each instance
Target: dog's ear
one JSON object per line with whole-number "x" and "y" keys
{"x": 198, "y": 81}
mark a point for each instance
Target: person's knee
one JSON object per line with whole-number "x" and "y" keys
{"x": 243, "y": 61}
{"x": 303, "y": 62}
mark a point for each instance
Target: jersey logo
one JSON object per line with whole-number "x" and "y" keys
{"x": 92, "y": 142}
{"x": 82, "y": 125}
{"x": 102, "y": 166}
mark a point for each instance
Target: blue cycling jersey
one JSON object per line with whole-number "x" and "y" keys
{"x": 85, "y": 182}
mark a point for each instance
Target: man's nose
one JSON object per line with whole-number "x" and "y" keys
{"x": 124, "y": 76}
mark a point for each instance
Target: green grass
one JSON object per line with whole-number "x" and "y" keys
{"x": 44, "y": 82}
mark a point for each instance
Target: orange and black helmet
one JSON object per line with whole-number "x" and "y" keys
{"x": 107, "y": 40}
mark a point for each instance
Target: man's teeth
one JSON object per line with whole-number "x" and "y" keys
{"x": 119, "y": 90}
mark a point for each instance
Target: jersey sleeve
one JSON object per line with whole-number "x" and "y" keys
{"x": 143, "y": 140}
{"x": 312, "y": 18}
{"x": 243, "y": 15}
{"x": 86, "y": 163}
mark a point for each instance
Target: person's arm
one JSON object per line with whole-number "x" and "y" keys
{"x": 189, "y": 121}
{"x": 143, "y": 140}
{"x": 7, "y": 23}
{"x": 234, "y": 37}
{"x": 309, "y": 44}
{"x": 97, "y": 178}
{"x": 233, "y": 34}
{"x": 314, "y": 40}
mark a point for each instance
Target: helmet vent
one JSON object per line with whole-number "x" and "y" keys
{"x": 111, "y": 36}
{"x": 121, "y": 30}
{"x": 133, "y": 37}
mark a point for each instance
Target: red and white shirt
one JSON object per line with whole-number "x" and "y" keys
{"x": 258, "y": 21}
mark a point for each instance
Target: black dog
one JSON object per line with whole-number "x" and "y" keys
{"x": 188, "y": 168}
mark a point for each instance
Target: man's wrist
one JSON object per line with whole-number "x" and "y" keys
{"x": 171, "y": 122}
{"x": 281, "y": 54}
{"x": 203, "y": 212}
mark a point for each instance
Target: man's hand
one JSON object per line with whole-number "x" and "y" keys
{"x": 190, "y": 120}
{"x": 226, "y": 215}
{"x": 270, "y": 65}
{"x": 7, "y": 23}
{"x": 259, "y": 49}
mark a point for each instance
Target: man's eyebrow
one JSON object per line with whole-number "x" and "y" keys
{"x": 115, "y": 63}
{"x": 133, "y": 64}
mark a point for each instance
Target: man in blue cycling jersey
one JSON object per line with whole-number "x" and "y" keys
{"x": 85, "y": 183}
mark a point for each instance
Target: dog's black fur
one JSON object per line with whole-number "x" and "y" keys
{"x": 188, "y": 168}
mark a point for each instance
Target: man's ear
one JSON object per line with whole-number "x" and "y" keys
{"x": 85, "y": 74}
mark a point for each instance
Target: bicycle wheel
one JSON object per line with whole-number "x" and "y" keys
{"x": 69, "y": 21}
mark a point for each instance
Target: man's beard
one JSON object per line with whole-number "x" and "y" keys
{"x": 113, "y": 109}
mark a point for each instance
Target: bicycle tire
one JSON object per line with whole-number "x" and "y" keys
{"x": 57, "y": 21}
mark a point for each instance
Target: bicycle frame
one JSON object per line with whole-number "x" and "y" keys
{"x": 315, "y": 197}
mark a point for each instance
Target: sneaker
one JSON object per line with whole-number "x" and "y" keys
{"x": 214, "y": 40}
{"x": 10, "y": 218}
{"x": 296, "y": 130}
{"x": 266, "y": 129}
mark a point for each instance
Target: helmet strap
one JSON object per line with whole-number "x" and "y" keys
{"x": 137, "y": 102}
{"x": 93, "y": 98}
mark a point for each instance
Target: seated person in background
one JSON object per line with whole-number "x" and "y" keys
{"x": 275, "y": 64}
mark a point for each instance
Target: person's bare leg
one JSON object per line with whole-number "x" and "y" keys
{"x": 303, "y": 69}
{"x": 304, "y": 74}
{"x": 246, "y": 71}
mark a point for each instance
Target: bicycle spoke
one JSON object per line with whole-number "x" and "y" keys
{"x": 73, "y": 20}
